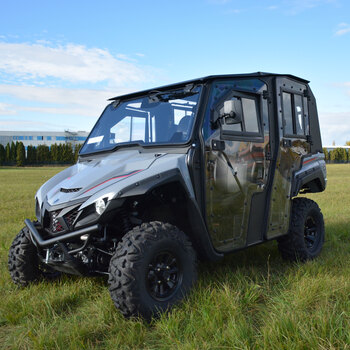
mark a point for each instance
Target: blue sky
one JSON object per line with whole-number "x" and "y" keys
{"x": 61, "y": 60}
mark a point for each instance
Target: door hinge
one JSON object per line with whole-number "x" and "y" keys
{"x": 266, "y": 95}
{"x": 309, "y": 139}
{"x": 287, "y": 143}
{"x": 268, "y": 156}
{"x": 306, "y": 94}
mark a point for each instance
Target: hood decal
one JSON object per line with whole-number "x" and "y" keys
{"x": 114, "y": 178}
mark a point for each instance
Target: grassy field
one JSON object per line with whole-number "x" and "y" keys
{"x": 250, "y": 300}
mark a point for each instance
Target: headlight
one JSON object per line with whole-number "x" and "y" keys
{"x": 100, "y": 205}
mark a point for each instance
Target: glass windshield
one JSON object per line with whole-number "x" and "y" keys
{"x": 159, "y": 118}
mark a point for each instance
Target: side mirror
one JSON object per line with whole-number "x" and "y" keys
{"x": 229, "y": 107}
{"x": 231, "y": 120}
{"x": 230, "y": 112}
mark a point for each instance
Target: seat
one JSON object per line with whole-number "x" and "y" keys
{"x": 183, "y": 129}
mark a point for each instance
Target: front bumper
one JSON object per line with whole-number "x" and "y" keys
{"x": 43, "y": 243}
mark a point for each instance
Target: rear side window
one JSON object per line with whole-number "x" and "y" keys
{"x": 299, "y": 115}
{"x": 294, "y": 118}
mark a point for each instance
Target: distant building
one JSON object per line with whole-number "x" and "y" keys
{"x": 48, "y": 138}
{"x": 331, "y": 148}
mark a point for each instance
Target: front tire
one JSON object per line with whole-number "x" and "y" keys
{"x": 23, "y": 262}
{"x": 305, "y": 238}
{"x": 153, "y": 268}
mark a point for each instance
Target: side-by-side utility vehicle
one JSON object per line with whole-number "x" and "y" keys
{"x": 189, "y": 171}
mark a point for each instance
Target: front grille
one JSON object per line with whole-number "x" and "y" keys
{"x": 55, "y": 226}
{"x": 70, "y": 217}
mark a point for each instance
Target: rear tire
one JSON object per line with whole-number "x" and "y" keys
{"x": 305, "y": 238}
{"x": 153, "y": 268}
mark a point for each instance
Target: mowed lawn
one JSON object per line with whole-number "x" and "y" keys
{"x": 250, "y": 300}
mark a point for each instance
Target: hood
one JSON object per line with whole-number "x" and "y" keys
{"x": 87, "y": 177}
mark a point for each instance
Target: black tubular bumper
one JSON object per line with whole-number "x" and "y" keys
{"x": 35, "y": 235}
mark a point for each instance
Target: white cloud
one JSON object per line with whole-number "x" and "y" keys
{"x": 83, "y": 102}
{"x": 345, "y": 86}
{"x": 37, "y": 80}
{"x": 6, "y": 109}
{"x": 234, "y": 11}
{"x": 88, "y": 97}
{"x": 343, "y": 28}
{"x": 334, "y": 127}
{"x": 296, "y": 6}
{"x": 24, "y": 124}
{"x": 219, "y": 2}
{"x": 72, "y": 63}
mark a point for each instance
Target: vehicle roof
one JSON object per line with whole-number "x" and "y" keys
{"x": 206, "y": 79}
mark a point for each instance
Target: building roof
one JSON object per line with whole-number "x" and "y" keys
{"x": 42, "y": 133}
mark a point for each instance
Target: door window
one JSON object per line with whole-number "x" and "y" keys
{"x": 294, "y": 119}
{"x": 250, "y": 115}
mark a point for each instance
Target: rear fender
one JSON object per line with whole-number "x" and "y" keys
{"x": 312, "y": 177}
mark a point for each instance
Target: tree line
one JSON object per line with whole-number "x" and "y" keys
{"x": 15, "y": 154}
{"x": 337, "y": 155}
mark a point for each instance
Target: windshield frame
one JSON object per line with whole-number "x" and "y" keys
{"x": 153, "y": 144}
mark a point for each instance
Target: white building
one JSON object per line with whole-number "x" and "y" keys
{"x": 48, "y": 138}
{"x": 331, "y": 148}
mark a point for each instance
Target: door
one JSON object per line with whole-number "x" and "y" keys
{"x": 237, "y": 148}
{"x": 293, "y": 126}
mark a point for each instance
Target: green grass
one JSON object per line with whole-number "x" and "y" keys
{"x": 250, "y": 300}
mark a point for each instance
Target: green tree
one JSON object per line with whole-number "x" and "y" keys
{"x": 77, "y": 148}
{"x": 13, "y": 152}
{"x": 43, "y": 154}
{"x": 31, "y": 155}
{"x": 8, "y": 153}
{"x": 326, "y": 154}
{"x": 2, "y": 154}
{"x": 347, "y": 143}
{"x": 339, "y": 155}
{"x": 21, "y": 154}
{"x": 34, "y": 155}
{"x": 54, "y": 153}
{"x": 60, "y": 153}
{"x": 68, "y": 156}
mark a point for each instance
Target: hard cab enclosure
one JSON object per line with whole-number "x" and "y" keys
{"x": 211, "y": 164}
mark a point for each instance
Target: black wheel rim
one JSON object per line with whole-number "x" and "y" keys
{"x": 311, "y": 234}
{"x": 164, "y": 276}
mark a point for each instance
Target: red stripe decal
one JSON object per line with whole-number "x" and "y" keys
{"x": 113, "y": 178}
{"x": 308, "y": 161}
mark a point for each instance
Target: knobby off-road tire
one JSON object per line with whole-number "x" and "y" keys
{"x": 305, "y": 238}
{"x": 23, "y": 262}
{"x": 153, "y": 268}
